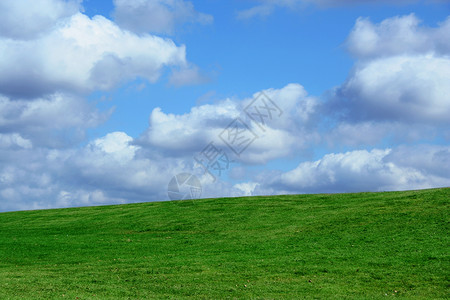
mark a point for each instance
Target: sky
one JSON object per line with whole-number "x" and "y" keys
{"x": 122, "y": 101}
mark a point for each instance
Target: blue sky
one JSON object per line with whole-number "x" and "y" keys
{"x": 104, "y": 102}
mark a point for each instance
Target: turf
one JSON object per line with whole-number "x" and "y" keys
{"x": 338, "y": 246}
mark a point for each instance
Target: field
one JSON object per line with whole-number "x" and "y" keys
{"x": 337, "y": 246}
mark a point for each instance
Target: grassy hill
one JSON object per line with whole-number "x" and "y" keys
{"x": 364, "y": 246}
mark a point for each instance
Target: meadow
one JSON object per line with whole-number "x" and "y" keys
{"x": 323, "y": 246}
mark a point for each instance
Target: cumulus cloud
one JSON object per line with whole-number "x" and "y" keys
{"x": 157, "y": 16}
{"x": 405, "y": 88}
{"x": 186, "y": 134}
{"x": 398, "y": 86}
{"x": 23, "y": 19}
{"x": 400, "y": 35}
{"x": 81, "y": 55}
{"x": 361, "y": 170}
{"x": 110, "y": 164}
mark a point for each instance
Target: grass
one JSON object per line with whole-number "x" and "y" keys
{"x": 340, "y": 246}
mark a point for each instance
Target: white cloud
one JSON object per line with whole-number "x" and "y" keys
{"x": 398, "y": 36}
{"x": 403, "y": 88}
{"x": 157, "y": 16}
{"x": 361, "y": 170}
{"x": 190, "y": 132}
{"x": 81, "y": 55}
{"x": 187, "y": 134}
{"x": 116, "y": 144}
{"x": 24, "y": 19}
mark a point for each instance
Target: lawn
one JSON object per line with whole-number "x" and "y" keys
{"x": 324, "y": 246}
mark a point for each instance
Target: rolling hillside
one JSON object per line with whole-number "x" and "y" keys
{"x": 365, "y": 245}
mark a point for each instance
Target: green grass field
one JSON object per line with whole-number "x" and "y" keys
{"x": 360, "y": 246}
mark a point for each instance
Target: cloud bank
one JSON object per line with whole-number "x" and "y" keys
{"x": 362, "y": 170}
{"x": 82, "y": 55}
